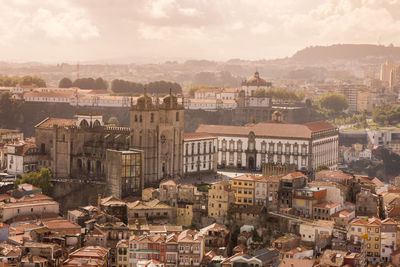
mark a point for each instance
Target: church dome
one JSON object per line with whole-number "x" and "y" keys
{"x": 255, "y": 81}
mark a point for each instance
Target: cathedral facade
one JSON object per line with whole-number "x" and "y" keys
{"x": 157, "y": 129}
{"x": 78, "y": 148}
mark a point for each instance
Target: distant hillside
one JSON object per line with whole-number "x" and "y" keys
{"x": 346, "y": 52}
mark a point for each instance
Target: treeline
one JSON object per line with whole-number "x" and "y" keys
{"x": 279, "y": 94}
{"x": 158, "y": 87}
{"x": 26, "y": 80}
{"x": 84, "y": 83}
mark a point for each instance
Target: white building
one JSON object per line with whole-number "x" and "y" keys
{"x": 22, "y": 158}
{"x": 209, "y": 104}
{"x": 199, "y": 153}
{"x": 305, "y": 145}
{"x": 388, "y": 239}
{"x": 27, "y": 200}
{"x": 228, "y": 93}
{"x": 206, "y": 93}
{"x": 309, "y": 230}
{"x": 254, "y": 83}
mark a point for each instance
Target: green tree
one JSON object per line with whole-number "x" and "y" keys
{"x": 39, "y": 179}
{"x": 65, "y": 83}
{"x": 322, "y": 167}
{"x": 259, "y": 92}
{"x": 30, "y": 80}
{"x": 333, "y": 102}
{"x": 113, "y": 120}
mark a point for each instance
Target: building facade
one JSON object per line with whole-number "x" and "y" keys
{"x": 200, "y": 153}
{"x": 306, "y": 146}
{"x": 157, "y": 130}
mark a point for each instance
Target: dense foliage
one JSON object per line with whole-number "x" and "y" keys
{"x": 279, "y": 94}
{"x": 333, "y": 102}
{"x": 84, "y": 83}
{"x": 39, "y": 179}
{"x": 157, "y": 87}
{"x": 26, "y": 80}
{"x": 386, "y": 114}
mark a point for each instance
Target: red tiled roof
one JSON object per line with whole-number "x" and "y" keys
{"x": 293, "y": 175}
{"x": 50, "y": 122}
{"x": 327, "y": 205}
{"x": 90, "y": 252}
{"x": 333, "y": 174}
{"x": 197, "y": 136}
{"x": 318, "y": 126}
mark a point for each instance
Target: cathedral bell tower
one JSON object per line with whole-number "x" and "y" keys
{"x": 157, "y": 129}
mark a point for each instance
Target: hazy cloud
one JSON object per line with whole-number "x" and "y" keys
{"x": 99, "y": 29}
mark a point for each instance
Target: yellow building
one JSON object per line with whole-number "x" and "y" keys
{"x": 220, "y": 196}
{"x": 122, "y": 253}
{"x": 147, "y": 193}
{"x": 243, "y": 187}
{"x": 373, "y": 240}
{"x": 184, "y": 214}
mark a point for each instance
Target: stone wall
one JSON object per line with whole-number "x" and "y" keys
{"x": 71, "y": 194}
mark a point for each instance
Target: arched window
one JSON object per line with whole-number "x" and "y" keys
{"x": 140, "y": 118}
{"x": 177, "y": 116}
{"x": 84, "y": 123}
{"x": 98, "y": 166}
{"x": 135, "y": 118}
{"x": 152, "y": 117}
{"x": 79, "y": 163}
{"x": 96, "y": 123}
{"x": 89, "y": 168}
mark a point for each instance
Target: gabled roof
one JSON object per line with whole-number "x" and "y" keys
{"x": 152, "y": 204}
{"x": 214, "y": 227}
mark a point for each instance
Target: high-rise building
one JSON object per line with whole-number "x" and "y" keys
{"x": 350, "y": 92}
{"x": 386, "y": 69}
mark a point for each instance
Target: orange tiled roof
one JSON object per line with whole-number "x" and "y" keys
{"x": 327, "y": 205}
{"x": 90, "y": 252}
{"x": 50, "y": 122}
{"x": 197, "y": 136}
{"x": 333, "y": 174}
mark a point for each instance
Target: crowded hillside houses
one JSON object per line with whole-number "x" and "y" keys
{"x": 333, "y": 219}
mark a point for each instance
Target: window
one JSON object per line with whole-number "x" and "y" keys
{"x": 177, "y": 116}
{"x": 152, "y": 117}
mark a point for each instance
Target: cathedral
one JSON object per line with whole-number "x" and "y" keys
{"x": 77, "y": 148}
{"x": 157, "y": 129}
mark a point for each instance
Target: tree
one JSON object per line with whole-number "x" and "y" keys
{"x": 65, "y": 83}
{"x": 101, "y": 84}
{"x": 333, "y": 102}
{"x": 322, "y": 167}
{"x": 30, "y": 80}
{"x": 39, "y": 179}
{"x": 113, "y": 120}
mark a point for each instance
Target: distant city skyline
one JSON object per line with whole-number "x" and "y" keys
{"x": 157, "y": 30}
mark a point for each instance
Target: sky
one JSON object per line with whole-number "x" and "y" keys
{"x": 108, "y": 30}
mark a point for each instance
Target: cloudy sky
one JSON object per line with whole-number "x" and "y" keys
{"x": 71, "y": 30}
